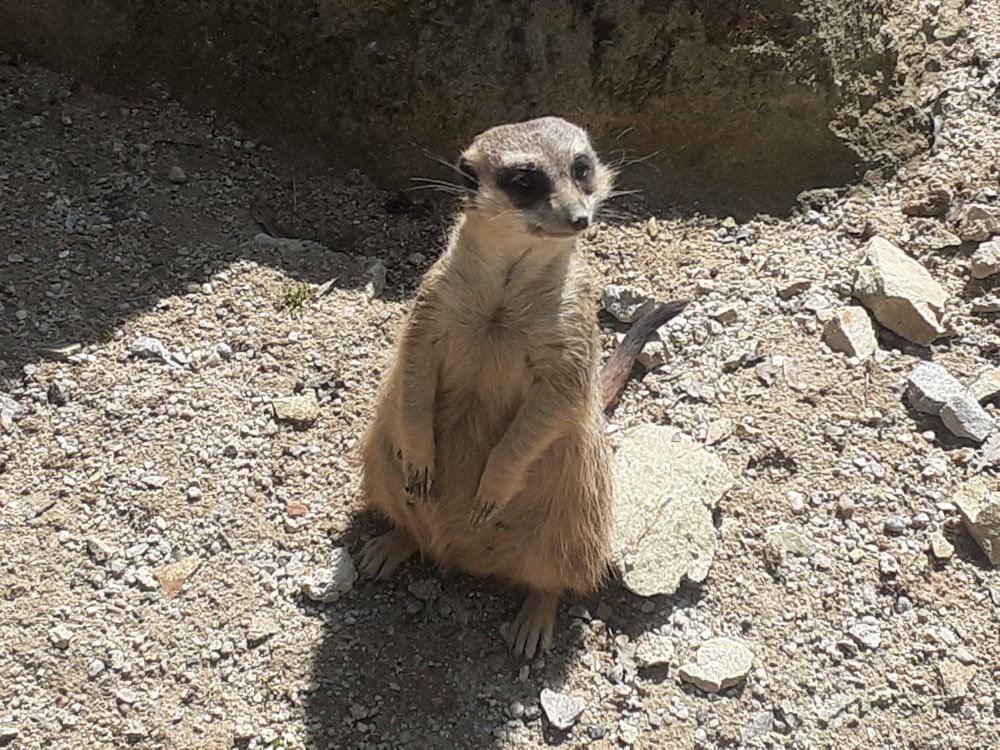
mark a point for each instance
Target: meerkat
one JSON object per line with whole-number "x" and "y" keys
{"x": 487, "y": 451}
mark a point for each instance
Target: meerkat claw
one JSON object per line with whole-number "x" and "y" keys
{"x": 419, "y": 481}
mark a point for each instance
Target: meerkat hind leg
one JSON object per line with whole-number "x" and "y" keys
{"x": 382, "y": 555}
{"x": 532, "y": 628}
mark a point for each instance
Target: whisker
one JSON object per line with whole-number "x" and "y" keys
{"x": 442, "y": 186}
{"x": 442, "y": 161}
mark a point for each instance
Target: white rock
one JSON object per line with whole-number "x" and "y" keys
{"x": 955, "y": 678}
{"x": 979, "y": 504}
{"x": 376, "y": 287}
{"x": 986, "y": 259}
{"x": 560, "y": 709}
{"x": 782, "y": 538}
{"x": 867, "y": 633}
{"x": 719, "y": 663}
{"x": 626, "y": 305}
{"x": 966, "y": 418}
{"x": 298, "y": 410}
{"x": 665, "y": 488}
{"x": 930, "y": 387}
{"x": 850, "y": 331}
{"x": 986, "y": 385}
{"x": 900, "y": 292}
{"x": 327, "y": 585}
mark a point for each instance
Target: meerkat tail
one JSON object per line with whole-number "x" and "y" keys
{"x": 619, "y": 365}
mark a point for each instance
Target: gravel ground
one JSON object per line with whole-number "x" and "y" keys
{"x": 165, "y": 537}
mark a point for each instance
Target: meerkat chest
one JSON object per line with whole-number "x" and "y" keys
{"x": 491, "y": 343}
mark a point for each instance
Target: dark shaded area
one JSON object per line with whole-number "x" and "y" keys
{"x": 740, "y": 104}
{"x": 423, "y": 660}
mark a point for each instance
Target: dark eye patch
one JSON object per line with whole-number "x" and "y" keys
{"x": 583, "y": 172}
{"x": 525, "y": 186}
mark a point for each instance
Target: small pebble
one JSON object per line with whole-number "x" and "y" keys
{"x": 894, "y": 525}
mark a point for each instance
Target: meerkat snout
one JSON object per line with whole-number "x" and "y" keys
{"x": 541, "y": 176}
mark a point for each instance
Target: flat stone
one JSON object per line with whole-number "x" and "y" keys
{"x": 135, "y": 731}
{"x": 176, "y": 175}
{"x": 986, "y": 260}
{"x": 977, "y": 223}
{"x": 99, "y": 550}
{"x": 851, "y": 331}
{"x": 626, "y": 305}
{"x": 986, "y": 305}
{"x": 930, "y": 387}
{"x": 940, "y": 547}
{"x": 60, "y": 637}
{"x": 8, "y": 733}
{"x": 964, "y": 417}
{"x": 126, "y": 695}
{"x": 719, "y": 663}
{"x": 666, "y": 486}
{"x": 900, "y": 292}
{"x": 60, "y": 353}
{"x": 783, "y": 538}
{"x": 10, "y": 412}
{"x": 979, "y": 504}
{"x": 653, "y": 354}
{"x": 376, "y": 287}
{"x": 147, "y": 347}
{"x": 955, "y": 678}
{"x": 327, "y": 585}
{"x": 866, "y": 633}
{"x": 261, "y": 628}
{"x": 930, "y": 201}
{"x": 986, "y": 385}
{"x": 793, "y": 287}
{"x": 560, "y": 709}
{"x": 297, "y": 410}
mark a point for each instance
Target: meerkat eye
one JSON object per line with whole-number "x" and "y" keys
{"x": 469, "y": 177}
{"x": 581, "y": 168}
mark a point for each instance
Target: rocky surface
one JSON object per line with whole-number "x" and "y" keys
{"x": 158, "y": 524}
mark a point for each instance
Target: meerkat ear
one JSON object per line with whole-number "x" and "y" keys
{"x": 469, "y": 177}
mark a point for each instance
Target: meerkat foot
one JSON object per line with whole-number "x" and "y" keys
{"x": 532, "y": 628}
{"x": 383, "y": 554}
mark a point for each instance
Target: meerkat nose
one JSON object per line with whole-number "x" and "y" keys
{"x": 579, "y": 220}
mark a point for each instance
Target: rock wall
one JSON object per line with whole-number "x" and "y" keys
{"x": 740, "y": 104}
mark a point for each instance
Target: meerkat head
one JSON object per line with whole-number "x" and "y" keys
{"x": 540, "y": 177}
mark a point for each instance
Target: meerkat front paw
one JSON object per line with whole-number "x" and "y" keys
{"x": 494, "y": 494}
{"x": 418, "y": 472}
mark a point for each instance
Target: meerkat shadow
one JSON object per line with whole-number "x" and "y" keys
{"x": 418, "y": 659}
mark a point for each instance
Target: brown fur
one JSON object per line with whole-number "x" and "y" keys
{"x": 487, "y": 451}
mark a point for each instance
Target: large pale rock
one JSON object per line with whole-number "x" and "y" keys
{"x": 986, "y": 385}
{"x": 719, "y": 663}
{"x": 986, "y": 259}
{"x": 930, "y": 386}
{"x": 980, "y": 507}
{"x": 933, "y": 390}
{"x": 666, "y": 486}
{"x": 978, "y": 222}
{"x": 851, "y": 331}
{"x": 967, "y": 419}
{"x": 300, "y": 411}
{"x": 900, "y": 292}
